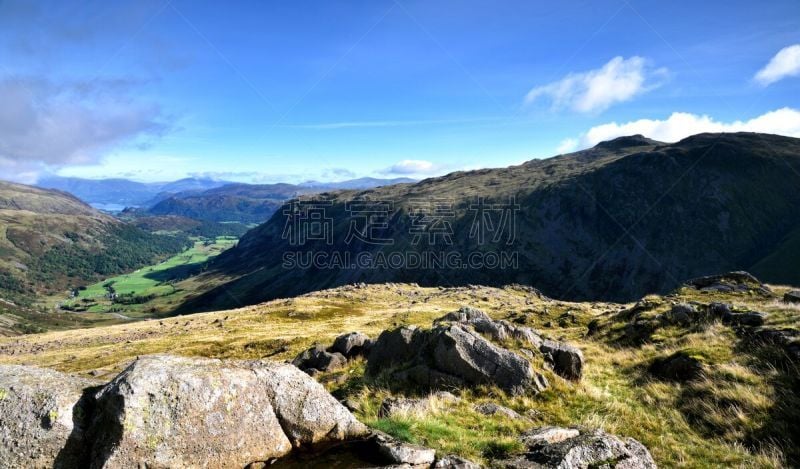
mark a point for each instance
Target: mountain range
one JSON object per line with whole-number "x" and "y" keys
{"x": 628, "y": 217}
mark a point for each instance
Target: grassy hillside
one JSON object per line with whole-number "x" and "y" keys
{"x": 742, "y": 413}
{"x": 50, "y": 241}
{"x": 627, "y": 217}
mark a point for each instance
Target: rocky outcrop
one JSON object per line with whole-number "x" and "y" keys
{"x": 405, "y": 405}
{"x": 677, "y": 367}
{"x": 732, "y": 282}
{"x": 566, "y": 360}
{"x": 792, "y": 296}
{"x": 451, "y": 355}
{"x": 43, "y": 417}
{"x": 351, "y": 345}
{"x": 553, "y": 447}
{"x": 318, "y": 359}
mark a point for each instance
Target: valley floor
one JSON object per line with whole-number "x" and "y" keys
{"x": 739, "y": 414}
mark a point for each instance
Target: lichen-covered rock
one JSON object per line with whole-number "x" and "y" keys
{"x": 166, "y": 411}
{"x": 351, "y": 345}
{"x": 308, "y": 414}
{"x": 454, "y": 462}
{"x": 732, "y": 282}
{"x": 746, "y": 318}
{"x": 319, "y": 359}
{"x": 566, "y": 360}
{"x": 568, "y": 449}
{"x": 43, "y": 417}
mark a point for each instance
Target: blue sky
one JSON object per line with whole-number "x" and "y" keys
{"x": 288, "y": 91}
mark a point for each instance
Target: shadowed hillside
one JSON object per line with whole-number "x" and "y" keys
{"x": 625, "y": 218}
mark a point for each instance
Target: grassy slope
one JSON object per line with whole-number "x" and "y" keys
{"x": 704, "y": 424}
{"x": 161, "y": 280}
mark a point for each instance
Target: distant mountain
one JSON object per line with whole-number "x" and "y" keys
{"x": 628, "y": 217}
{"x": 360, "y": 183}
{"x": 248, "y": 203}
{"x": 50, "y": 241}
{"x": 123, "y": 192}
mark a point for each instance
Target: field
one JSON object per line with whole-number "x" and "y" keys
{"x": 147, "y": 291}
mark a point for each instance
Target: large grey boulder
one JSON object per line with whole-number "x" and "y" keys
{"x": 351, "y": 345}
{"x": 451, "y": 355}
{"x": 566, "y": 360}
{"x": 394, "y": 347}
{"x": 317, "y": 358}
{"x": 165, "y": 411}
{"x": 568, "y": 449}
{"x": 43, "y": 417}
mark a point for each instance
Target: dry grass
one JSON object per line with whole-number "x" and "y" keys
{"x": 707, "y": 423}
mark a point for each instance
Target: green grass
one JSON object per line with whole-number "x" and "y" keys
{"x": 156, "y": 281}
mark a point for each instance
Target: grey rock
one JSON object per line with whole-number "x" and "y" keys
{"x": 498, "y": 330}
{"x": 732, "y": 282}
{"x": 397, "y": 452}
{"x": 317, "y": 358}
{"x": 490, "y": 408}
{"x": 567, "y": 360}
{"x": 586, "y": 450}
{"x": 749, "y": 318}
{"x": 547, "y": 435}
{"x": 351, "y": 345}
{"x": 43, "y": 417}
{"x": 792, "y": 296}
{"x": 394, "y": 347}
{"x": 166, "y": 411}
{"x": 454, "y": 462}
{"x": 677, "y": 367}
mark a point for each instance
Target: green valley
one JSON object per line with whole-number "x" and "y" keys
{"x": 148, "y": 291}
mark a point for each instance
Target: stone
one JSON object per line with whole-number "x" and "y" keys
{"x": 497, "y": 330}
{"x": 548, "y": 435}
{"x": 490, "y": 408}
{"x": 167, "y": 411}
{"x": 749, "y": 319}
{"x": 566, "y": 360}
{"x": 393, "y": 347}
{"x": 677, "y": 367}
{"x": 588, "y": 449}
{"x": 731, "y": 282}
{"x": 792, "y": 296}
{"x": 397, "y": 452}
{"x": 682, "y": 314}
{"x": 351, "y": 345}
{"x": 44, "y": 417}
{"x": 317, "y": 358}
{"x": 454, "y": 462}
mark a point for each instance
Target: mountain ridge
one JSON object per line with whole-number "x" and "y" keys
{"x": 621, "y": 220}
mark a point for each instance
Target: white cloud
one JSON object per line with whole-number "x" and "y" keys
{"x": 406, "y": 167}
{"x": 48, "y": 125}
{"x": 679, "y": 125}
{"x": 786, "y": 63}
{"x": 596, "y": 90}
{"x": 567, "y": 145}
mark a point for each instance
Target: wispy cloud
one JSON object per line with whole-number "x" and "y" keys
{"x": 596, "y": 90}
{"x": 46, "y": 124}
{"x": 679, "y": 125}
{"x": 414, "y": 168}
{"x": 786, "y": 63}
